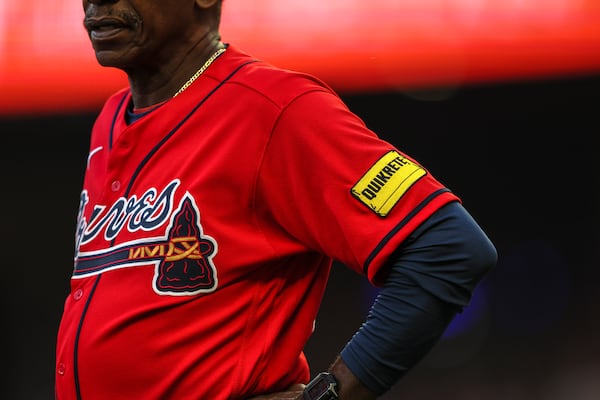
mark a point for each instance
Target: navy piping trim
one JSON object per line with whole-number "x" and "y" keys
{"x": 114, "y": 121}
{"x": 402, "y": 223}
{"x": 77, "y": 335}
{"x": 170, "y": 134}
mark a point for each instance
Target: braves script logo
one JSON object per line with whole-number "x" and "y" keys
{"x": 182, "y": 258}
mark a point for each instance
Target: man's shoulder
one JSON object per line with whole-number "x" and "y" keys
{"x": 278, "y": 84}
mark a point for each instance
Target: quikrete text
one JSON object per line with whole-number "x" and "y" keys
{"x": 383, "y": 176}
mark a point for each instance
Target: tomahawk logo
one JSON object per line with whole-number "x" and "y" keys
{"x": 183, "y": 258}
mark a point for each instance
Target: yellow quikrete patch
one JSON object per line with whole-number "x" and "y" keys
{"x": 386, "y": 182}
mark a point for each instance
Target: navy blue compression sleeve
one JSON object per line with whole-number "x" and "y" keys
{"x": 431, "y": 278}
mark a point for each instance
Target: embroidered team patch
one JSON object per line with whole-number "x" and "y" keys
{"x": 386, "y": 182}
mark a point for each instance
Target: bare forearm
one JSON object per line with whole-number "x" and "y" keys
{"x": 349, "y": 387}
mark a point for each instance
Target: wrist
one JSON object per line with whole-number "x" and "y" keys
{"x": 323, "y": 387}
{"x": 349, "y": 387}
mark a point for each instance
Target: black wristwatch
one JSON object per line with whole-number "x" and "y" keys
{"x": 322, "y": 387}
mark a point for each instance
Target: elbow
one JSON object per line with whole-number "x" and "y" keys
{"x": 483, "y": 257}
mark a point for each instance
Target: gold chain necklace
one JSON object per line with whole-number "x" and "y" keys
{"x": 201, "y": 70}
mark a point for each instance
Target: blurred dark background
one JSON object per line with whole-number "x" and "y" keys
{"x": 522, "y": 156}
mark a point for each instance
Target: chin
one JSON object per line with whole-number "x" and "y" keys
{"x": 109, "y": 60}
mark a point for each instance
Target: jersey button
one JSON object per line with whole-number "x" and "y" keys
{"x": 61, "y": 369}
{"x": 115, "y": 186}
{"x": 78, "y": 294}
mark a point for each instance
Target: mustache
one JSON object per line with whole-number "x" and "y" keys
{"x": 99, "y": 16}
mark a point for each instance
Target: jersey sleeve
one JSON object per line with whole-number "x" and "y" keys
{"x": 331, "y": 183}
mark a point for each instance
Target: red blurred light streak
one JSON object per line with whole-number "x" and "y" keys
{"x": 47, "y": 64}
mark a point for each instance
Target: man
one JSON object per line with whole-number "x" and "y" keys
{"x": 218, "y": 191}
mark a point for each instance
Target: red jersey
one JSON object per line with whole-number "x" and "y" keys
{"x": 207, "y": 229}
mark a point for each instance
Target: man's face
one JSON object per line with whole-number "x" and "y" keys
{"x": 132, "y": 34}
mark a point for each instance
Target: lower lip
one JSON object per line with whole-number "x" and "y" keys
{"x": 103, "y": 34}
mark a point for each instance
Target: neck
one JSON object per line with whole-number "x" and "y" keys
{"x": 200, "y": 71}
{"x": 153, "y": 86}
